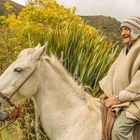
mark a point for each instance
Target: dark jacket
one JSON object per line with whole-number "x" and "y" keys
{"x": 4, "y": 116}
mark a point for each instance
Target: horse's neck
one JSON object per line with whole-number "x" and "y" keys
{"x": 60, "y": 87}
{"x": 57, "y": 91}
{"x": 61, "y": 106}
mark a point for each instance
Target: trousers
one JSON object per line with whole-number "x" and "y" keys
{"x": 123, "y": 127}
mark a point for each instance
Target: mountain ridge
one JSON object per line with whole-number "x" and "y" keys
{"x": 16, "y": 7}
{"x": 105, "y": 24}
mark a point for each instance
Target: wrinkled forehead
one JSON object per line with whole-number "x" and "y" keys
{"x": 124, "y": 27}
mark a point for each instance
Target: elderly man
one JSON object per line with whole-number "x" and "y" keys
{"x": 121, "y": 85}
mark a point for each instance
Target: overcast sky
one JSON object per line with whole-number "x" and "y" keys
{"x": 118, "y": 9}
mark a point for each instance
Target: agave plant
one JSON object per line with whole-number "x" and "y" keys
{"x": 86, "y": 54}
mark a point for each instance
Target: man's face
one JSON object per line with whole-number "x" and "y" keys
{"x": 125, "y": 33}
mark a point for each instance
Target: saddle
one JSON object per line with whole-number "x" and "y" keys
{"x": 108, "y": 119}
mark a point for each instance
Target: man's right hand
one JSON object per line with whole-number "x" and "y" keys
{"x": 103, "y": 97}
{"x": 15, "y": 113}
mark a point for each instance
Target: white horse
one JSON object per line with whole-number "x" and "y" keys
{"x": 65, "y": 110}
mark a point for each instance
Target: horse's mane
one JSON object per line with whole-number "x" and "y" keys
{"x": 61, "y": 70}
{"x": 79, "y": 89}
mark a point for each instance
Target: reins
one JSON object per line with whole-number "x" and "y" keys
{"x": 12, "y": 105}
{"x": 7, "y": 99}
{"x": 6, "y": 125}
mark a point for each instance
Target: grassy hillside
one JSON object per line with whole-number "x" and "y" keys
{"x": 16, "y": 7}
{"x": 110, "y": 26}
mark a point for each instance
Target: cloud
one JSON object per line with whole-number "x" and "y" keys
{"x": 22, "y": 2}
{"x": 118, "y": 9}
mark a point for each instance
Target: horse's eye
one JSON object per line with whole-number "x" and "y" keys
{"x": 18, "y": 69}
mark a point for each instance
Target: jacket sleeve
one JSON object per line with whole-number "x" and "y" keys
{"x": 4, "y": 116}
{"x": 125, "y": 96}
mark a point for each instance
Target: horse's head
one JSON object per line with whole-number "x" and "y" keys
{"x": 19, "y": 73}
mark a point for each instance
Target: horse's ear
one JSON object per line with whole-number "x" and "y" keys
{"x": 39, "y": 51}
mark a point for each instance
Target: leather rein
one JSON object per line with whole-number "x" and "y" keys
{"x": 17, "y": 109}
{"x": 7, "y": 99}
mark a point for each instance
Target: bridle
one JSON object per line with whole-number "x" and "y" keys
{"x": 18, "y": 109}
{"x": 8, "y": 100}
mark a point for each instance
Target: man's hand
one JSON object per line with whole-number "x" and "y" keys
{"x": 111, "y": 101}
{"x": 15, "y": 113}
{"x": 103, "y": 97}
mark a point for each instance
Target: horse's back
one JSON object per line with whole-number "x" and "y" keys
{"x": 137, "y": 132}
